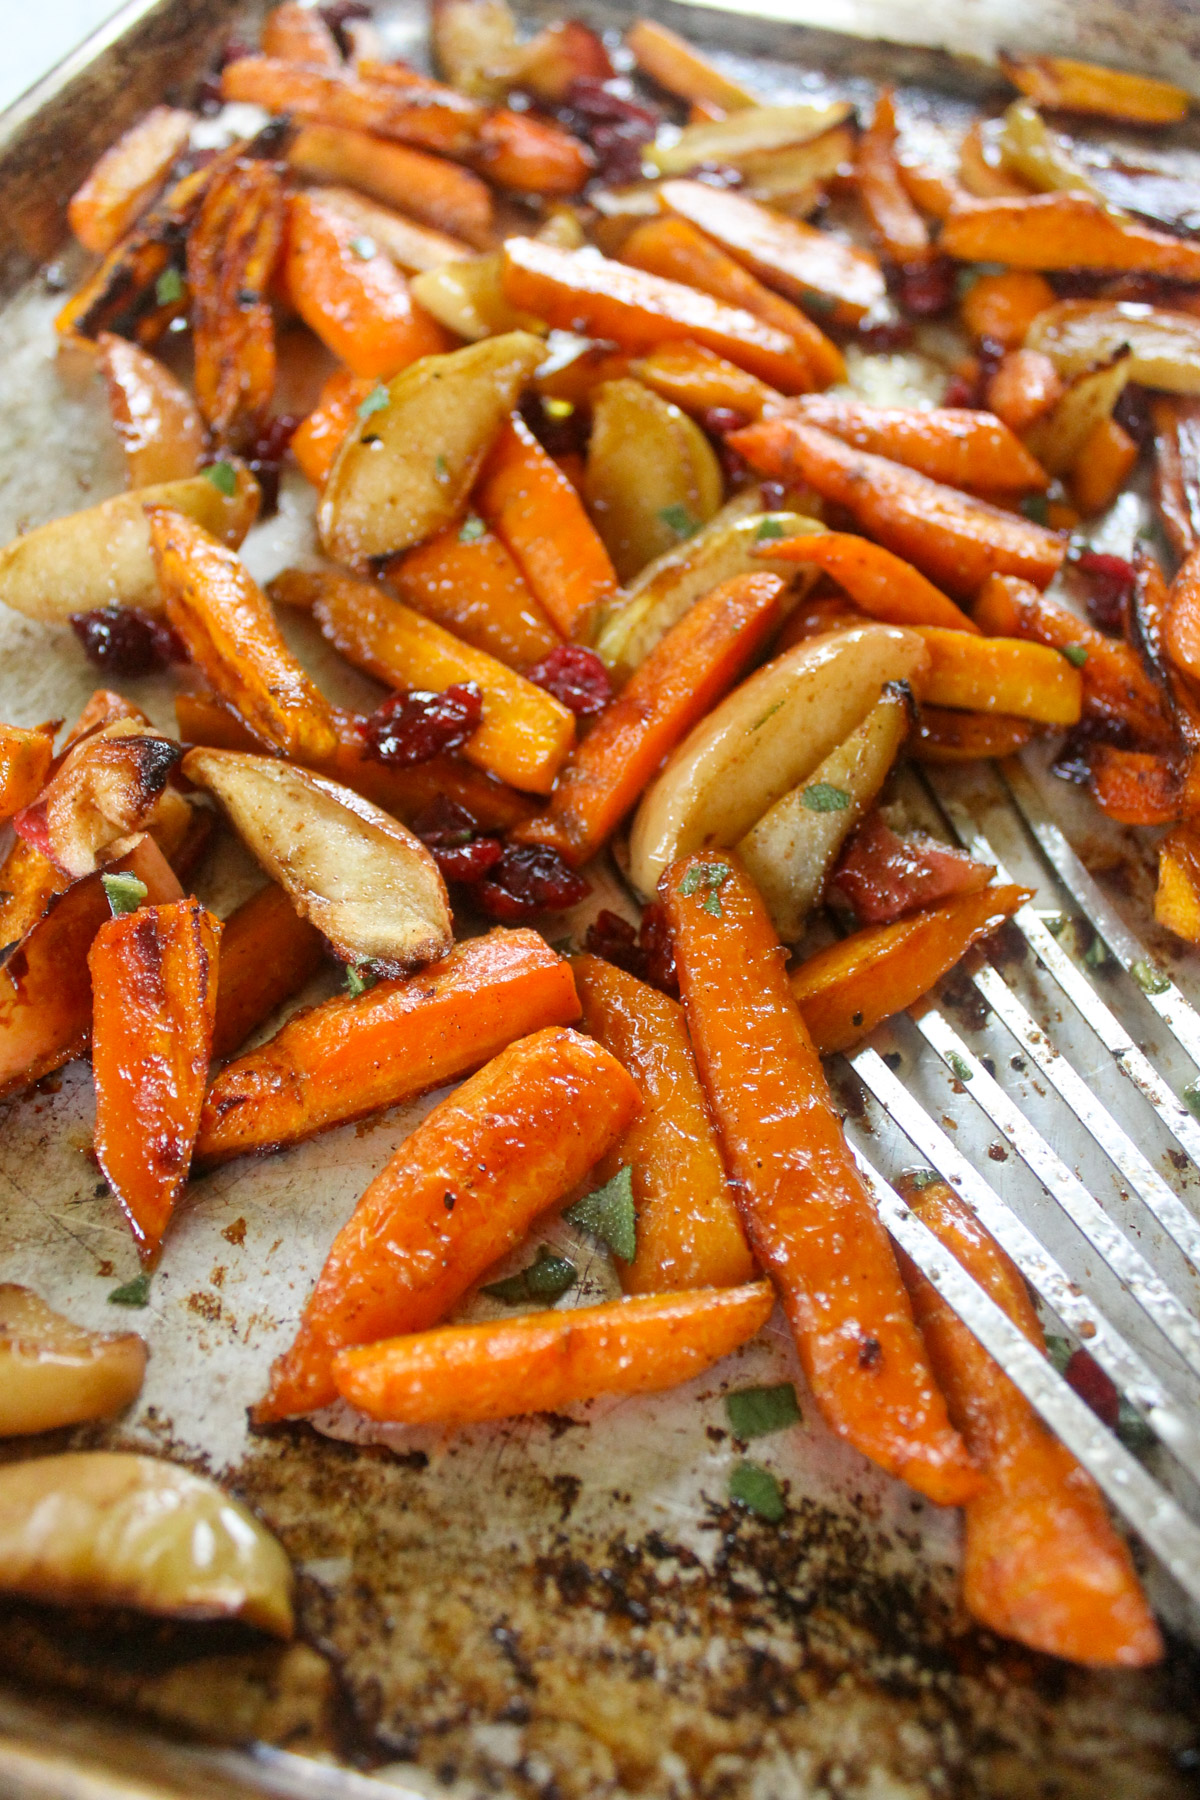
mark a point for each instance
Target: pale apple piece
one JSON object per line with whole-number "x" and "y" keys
{"x": 109, "y": 785}
{"x": 53, "y": 1372}
{"x": 467, "y": 297}
{"x": 652, "y": 478}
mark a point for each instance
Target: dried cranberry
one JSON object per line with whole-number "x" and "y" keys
{"x": 1110, "y": 586}
{"x": 559, "y": 435}
{"x": 528, "y": 879}
{"x": 655, "y": 939}
{"x": 576, "y": 677}
{"x": 265, "y": 457}
{"x": 961, "y": 392}
{"x": 455, "y": 842}
{"x": 717, "y": 420}
{"x": 1085, "y": 1375}
{"x": 340, "y": 13}
{"x": 616, "y": 126}
{"x": 885, "y": 335}
{"x": 414, "y": 725}
{"x": 124, "y": 640}
{"x": 616, "y": 940}
{"x": 926, "y": 289}
{"x": 774, "y": 496}
{"x": 1132, "y": 413}
{"x": 612, "y": 102}
{"x": 209, "y": 99}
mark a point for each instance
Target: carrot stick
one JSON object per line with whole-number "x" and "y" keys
{"x": 689, "y": 1234}
{"x": 25, "y": 758}
{"x": 843, "y": 992}
{"x": 462, "y": 1189}
{"x": 945, "y": 736}
{"x": 677, "y": 66}
{"x": 1024, "y": 388}
{"x": 318, "y": 438}
{"x": 691, "y": 667}
{"x": 543, "y": 1361}
{"x": 28, "y": 883}
{"x": 956, "y": 540}
{"x": 1003, "y": 307}
{"x": 1005, "y": 675}
{"x": 1181, "y": 625}
{"x": 299, "y": 34}
{"x": 698, "y": 380}
{"x": 1135, "y": 787}
{"x": 639, "y": 312}
{"x": 808, "y": 1215}
{"x": 126, "y": 178}
{"x": 531, "y": 155}
{"x": 472, "y": 587}
{"x": 267, "y": 952}
{"x": 961, "y": 447}
{"x": 1064, "y": 231}
{"x": 1177, "y": 897}
{"x": 154, "y": 985}
{"x": 898, "y": 228}
{"x": 234, "y": 250}
{"x": 355, "y": 1054}
{"x": 883, "y": 585}
{"x": 432, "y": 190}
{"x": 1043, "y": 1563}
{"x": 933, "y": 189}
{"x": 535, "y": 511}
{"x": 1105, "y": 461}
{"x": 430, "y": 116}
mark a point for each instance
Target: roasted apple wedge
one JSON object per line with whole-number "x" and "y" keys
{"x": 106, "y": 787}
{"x": 54, "y": 1373}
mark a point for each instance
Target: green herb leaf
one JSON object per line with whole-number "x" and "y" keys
{"x": 769, "y": 714}
{"x": 1056, "y": 923}
{"x": 823, "y": 797}
{"x": 1191, "y": 1098}
{"x": 757, "y": 1411}
{"x": 757, "y": 1490}
{"x": 133, "y": 1293}
{"x": 364, "y": 247}
{"x": 375, "y": 402}
{"x": 1148, "y": 978}
{"x": 223, "y": 476}
{"x": 1133, "y": 1430}
{"x": 609, "y": 1214}
{"x": 823, "y": 304}
{"x": 679, "y": 520}
{"x": 125, "y": 892}
{"x": 360, "y": 978}
{"x": 547, "y": 1278}
{"x": 709, "y": 877}
{"x": 168, "y": 289}
{"x": 471, "y": 528}
{"x": 1076, "y": 654}
{"x": 1034, "y": 507}
{"x": 959, "y": 1066}
{"x": 1058, "y": 1351}
{"x": 441, "y": 467}
{"x": 770, "y": 527}
{"x": 1096, "y": 955}
{"x": 922, "y": 1178}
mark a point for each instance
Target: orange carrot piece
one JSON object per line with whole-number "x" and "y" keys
{"x": 844, "y": 991}
{"x": 233, "y": 251}
{"x": 462, "y": 1189}
{"x": 689, "y": 1234}
{"x": 1024, "y": 388}
{"x": 318, "y": 438}
{"x": 537, "y": 514}
{"x": 1066, "y": 85}
{"x": 697, "y": 380}
{"x": 1005, "y": 675}
{"x": 606, "y": 299}
{"x": 1181, "y": 626}
{"x": 807, "y": 1212}
{"x": 1176, "y": 460}
{"x": 1043, "y": 1563}
{"x": 674, "y": 248}
{"x": 356, "y": 1054}
{"x": 268, "y": 952}
{"x": 154, "y": 416}
{"x": 473, "y": 588}
{"x": 679, "y": 67}
{"x": 1064, "y": 231}
{"x": 299, "y": 34}
{"x": 531, "y": 155}
{"x": 934, "y": 190}
{"x": 543, "y": 1361}
{"x": 697, "y": 661}
{"x": 958, "y": 446}
{"x": 25, "y": 758}
{"x": 1177, "y": 897}
{"x": 1105, "y": 461}
{"x": 898, "y": 228}
{"x": 154, "y": 991}
{"x": 1135, "y": 787}
{"x": 127, "y": 177}
{"x": 1003, "y": 307}
{"x": 430, "y": 189}
{"x": 883, "y": 585}
{"x": 429, "y": 116}
{"x": 230, "y": 633}
{"x": 359, "y": 306}
{"x": 945, "y": 736}
{"x": 956, "y": 540}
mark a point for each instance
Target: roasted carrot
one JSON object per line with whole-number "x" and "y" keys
{"x": 675, "y": 249}
{"x": 844, "y": 991}
{"x": 354, "y": 1055}
{"x": 1181, "y": 626}
{"x": 691, "y": 667}
{"x": 154, "y": 991}
{"x": 413, "y": 248}
{"x": 956, "y": 540}
{"x": 1066, "y": 85}
{"x": 1003, "y": 307}
{"x": 688, "y": 1231}
{"x": 127, "y": 177}
{"x": 535, "y": 511}
{"x": 268, "y": 952}
{"x": 155, "y": 418}
{"x": 1176, "y": 462}
{"x": 230, "y": 633}
{"x": 1103, "y": 467}
{"x": 233, "y": 250}
{"x": 945, "y": 736}
{"x": 358, "y": 305}
{"x": 436, "y": 192}
{"x": 541, "y": 1362}
{"x": 1043, "y": 1563}
{"x": 429, "y": 116}
{"x": 1005, "y": 675}
{"x": 1024, "y": 388}
{"x": 472, "y": 586}
{"x": 933, "y": 189}
{"x": 25, "y": 758}
{"x": 959, "y": 446}
{"x": 577, "y": 292}
{"x": 881, "y": 584}
{"x": 299, "y": 34}
{"x": 698, "y": 380}
{"x": 807, "y": 1212}
{"x": 1136, "y": 787}
{"x": 318, "y": 438}
{"x": 1177, "y": 897}
{"x": 898, "y": 228}
{"x": 1064, "y": 231}
{"x": 677, "y": 66}
{"x": 531, "y": 155}
{"x": 462, "y": 1189}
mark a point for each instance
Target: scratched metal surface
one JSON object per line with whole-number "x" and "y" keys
{"x": 565, "y": 1606}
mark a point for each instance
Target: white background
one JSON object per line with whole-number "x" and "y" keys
{"x": 39, "y": 33}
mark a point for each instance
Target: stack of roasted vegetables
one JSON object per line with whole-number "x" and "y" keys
{"x": 643, "y": 573}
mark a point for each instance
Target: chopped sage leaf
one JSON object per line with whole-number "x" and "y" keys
{"x": 168, "y": 289}
{"x": 364, "y": 247}
{"x": 375, "y": 401}
{"x": 546, "y": 1278}
{"x": 922, "y": 1178}
{"x": 132, "y": 1293}
{"x": 1133, "y": 1430}
{"x": 1034, "y": 507}
{"x": 1148, "y": 978}
{"x": 471, "y": 528}
{"x": 758, "y": 1411}
{"x": 769, "y": 527}
{"x": 710, "y": 877}
{"x": 609, "y": 1214}
{"x": 1075, "y": 653}
{"x": 680, "y": 521}
{"x": 125, "y": 892}
{"x": 360, "y": 978}
{"x": 1096, "y": 955}
{"x": 757, "y": 1490}
{"x": 819, "y": 303}
{"x": 1058, "y": 1351}
{"x": 441, "y": 467}
{"x": 1056, "y": 923}
{"x": 958, "y": 1065}
{"x": 1191, "y": 1098}
{"x": 769, "y": 714}
{"x": 823, "y": 797}
{"x": 223, "y": 477}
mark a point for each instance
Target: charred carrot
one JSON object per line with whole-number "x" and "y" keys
{"x": 1024, "y": 388}
{"x": 883, "y": 585}
{"x": 127, "y": 177}
{"x": 462, "y": 1189}
{"x": 698, "y": 380}
{"x": 1005, "y": 675}
{"x": 945, "y": 736}
{"x": 1043, "y": 1563}
{"x": 233, "y": 251}
{"x": 25, "y": 758}
{"x": 1136, "y": 787}
{"x": 435, "y": 192}
{"x": 28, "y": 883}
{"x": 299, "y": 34}
{"x": 689, "y": 1234}
{"x": 541, "y": 1362}
{"x": 471, "y": 585}
{"x": 693, "y": 665}
{"x": 1064, "y": 231}
{"x": 531, "y": 155}
{"x": 318, "y": 437}
{"x": 429, "y": 116}
{"x": 807, "y": 1213}
{"x": 960, "y": 447}
{"x": 956, "y": 540}
{"x": 268, "y": 952}
{"x": 1003, "y": 307}
{"x": 898, "y": 228}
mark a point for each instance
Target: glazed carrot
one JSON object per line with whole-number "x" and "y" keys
{"x": 677, "y": 66}
{"x": 1043, "y": 1563}
{"x": 1024, "y": 388}
{"x": 1135, "y": 787}
{"x": 1177, "y": 897}
{"x": 1181, "y": 626}
{"x": 127, "y": 177}
{"x": 691, "y": 667}
{"x": 154, "y": 416}
{"x": 413, "y": 248}
{"x": 462, "y": 1189}
{"x": 233, "y": 251}
{"x": 299, "y": 34}
{"x": 879, "y": 583}
{"x": 359, "y": 306}
{"x": 945, "y": 736}
{"x": 982, "y": 173}
{"x": 1103, "y": 467}
{"x": 843, "y": 992}
{"x": 1003, "y": 307}
{"x": 1060, "y": 83}
{"x": 1005, "y": 675}
{"x": 45, "y": 993}
{"x": 897, "y": 226}
{"x": 356, "y": 1054}
{"x": 154, "y": 991}
{"x": 959, "y": 446}
{"x": 432, "y": 190}
{"x": 1116, "y": 688}
{"x": 934, "y": 190}
{"x": 688, "y": 1231}
{"x": 230, "y": 633}
{"x": 639, "y": 312}
{"x": 544, "y": 1361}
{"x": 1176, "y": 460}
{"x": 956, "y": 540}
{"x": 472, "y": 586}
{"x": 807, "y": 1213}
{"x": 318, "y": 438}
{"x": 25, "y": 758}
{"x": 676, "y": 250}
{"x": 537, "y": 514}
{"x": 698, "y": 380}
{"x": 429, "y": 116}
{"x": 268, "y": 952}
{"x": 531, "y": 155}
{"x": 1064, "y": 231}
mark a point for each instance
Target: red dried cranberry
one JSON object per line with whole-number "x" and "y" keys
{"x": 1085, "y": 1375}
{"x": 1110, "y": 586}
{"x": 414, "y": 725}
{"x": 961, "y": 392}
{"x": 926, "y": 289}
{"x": 528, "y": 879}
{"x": 558, "y": 436}
{"x": 717, "y": 420}
{"x": 209, "y": 99}
{"x": 1132, "y": 413}
{"x": 616, "y": 126}
{"x": 265, "y": 457}
{"x": 885, "y": 335}
{"x": 455, "y": 842}
{"x": 616, "y": 940}
{"x": 124, "y": 640}
{"x": 576, "y": 677}
{"x": 655, "y": 939}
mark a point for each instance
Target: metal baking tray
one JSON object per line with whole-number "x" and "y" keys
{"x": 558, "y": 1607}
